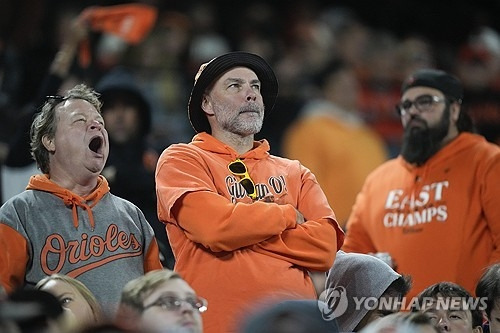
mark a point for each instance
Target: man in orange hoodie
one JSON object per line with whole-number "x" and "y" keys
{"x": 435, "y": 208}
{"x": 245, "y": 227}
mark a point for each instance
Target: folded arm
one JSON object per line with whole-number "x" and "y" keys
{"x": 311, "y": 245}
{"x": 216, "y": 223}
{"x": 314, "y": 243}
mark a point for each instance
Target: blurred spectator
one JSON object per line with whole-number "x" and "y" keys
{"x": 292, "y": 316}
{"x": 258, "y": 34}
{"x": 19, "y": 164}
{"x": 413, "y": 52}
{"x": 206, "y": 42}
{"x": 350, "y": 35}
{"x": 110, "y": 328}
{"x": 362, "y": 276}
{"x": 488, "y": 288}
{"x": 450, "y": 308}
{"x": 161, "y": 302}
{"x": 380, "y": 89}
{"x": 132, "y": 161}
{"x": 99, "y": 27}
{"x": 74, "y": 296}
{"x": 37, "y": 311}
{"x": 401, "y": 322}
{"x": 478, "y": 66}
{"x": 333, "y": 141}
{"x": 158, "y": 63}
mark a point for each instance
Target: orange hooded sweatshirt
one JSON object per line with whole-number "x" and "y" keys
{"x": 234, "y": 251}
{"x": 439, "y": 221}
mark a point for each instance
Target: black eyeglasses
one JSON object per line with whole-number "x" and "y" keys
{"x": 55, "y": 99}
{"x": 239, "y": 168}
{"x": 423, "y": 103}
{"x": 172, "y": 303}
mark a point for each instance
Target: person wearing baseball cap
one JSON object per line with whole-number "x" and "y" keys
{"x": 434, "y": 208}
{"x": 245, "y": 226}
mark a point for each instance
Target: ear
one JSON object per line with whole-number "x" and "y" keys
{"x": 206, "y": 105}
{"x": 477, "y": 329}
{"x": 48, "y": 143}
{"x": 455, "y": 111}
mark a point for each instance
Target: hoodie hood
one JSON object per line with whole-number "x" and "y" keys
{"x": 43, "y": 183}
{"x": 119, "y": 84}
{"x": 361, "y": 275}
{"x": 207, "y": 142}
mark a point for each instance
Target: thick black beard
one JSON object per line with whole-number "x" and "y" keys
{"x": 421, "y": 143}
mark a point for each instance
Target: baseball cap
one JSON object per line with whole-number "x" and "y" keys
{"x": 213, "y": 69}
{"x": 448, "y": 84}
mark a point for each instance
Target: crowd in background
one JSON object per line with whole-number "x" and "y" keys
{"x": 297, "y": 38}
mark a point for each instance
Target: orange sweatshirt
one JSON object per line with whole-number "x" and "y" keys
{"x": 339, "y": 151}
{"x": 439, "y": 221}
{"x": 235, "y": 252}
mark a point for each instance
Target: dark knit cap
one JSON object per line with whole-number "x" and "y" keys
{"x": 448, "y": 84}
{"x": 212, "y": 70}
{"x": 120, "y": 85}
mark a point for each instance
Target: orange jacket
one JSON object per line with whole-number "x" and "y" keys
{"x": 235, "y": 252}
{"x": 439, "y": 221}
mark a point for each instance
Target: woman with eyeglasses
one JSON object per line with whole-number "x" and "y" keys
{"x": 161, "y": 302}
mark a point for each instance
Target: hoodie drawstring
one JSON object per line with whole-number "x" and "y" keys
{"x": 74, "y": 202}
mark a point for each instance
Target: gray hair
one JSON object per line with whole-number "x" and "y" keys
{"x": 45, "y": 122}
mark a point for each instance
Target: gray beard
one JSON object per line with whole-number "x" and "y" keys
{"x": 239, "y": 127}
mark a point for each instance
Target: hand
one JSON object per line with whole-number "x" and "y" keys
{"x": 74, "y": 32}
{"x": 300, "y": 218}
{"x": 71, "y": 39}
{"x": 385, "y": 257}
{"x": 268, "y": 198}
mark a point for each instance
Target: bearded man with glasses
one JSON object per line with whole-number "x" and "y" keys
{"x": 435, "y": 208}
{"x": 245, "y": 226}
